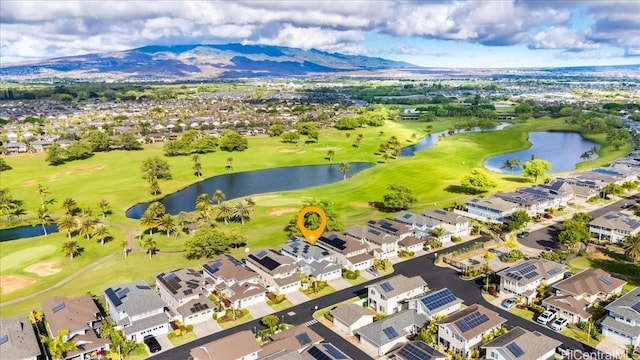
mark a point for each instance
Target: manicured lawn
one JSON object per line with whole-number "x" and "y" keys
{"x": 576, "y": 333}
{"x": 140, "y": 353}
{"x": 246, "y": 317}
{"x": 523, "y": 313}
{"x": 179, "y": 340}
{"x": 615, "y": 264}
{"x": 356, "y": 281}
{"x": 285, "y": 304}
{"x": 326, "y": 291}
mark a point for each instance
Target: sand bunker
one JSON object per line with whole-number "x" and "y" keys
{"x": 263, "y": 197}
{"x": 43, "y": 269}
{"x": 11, "y": 283}
{"x": 281, "y": 210}
{"x": 288, "y": 150}
{"x": 360, "y": 205}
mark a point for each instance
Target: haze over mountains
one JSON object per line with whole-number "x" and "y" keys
{"x": 229, "y": 61}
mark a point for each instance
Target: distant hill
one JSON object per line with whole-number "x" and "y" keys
{"x": 199, "y": 62}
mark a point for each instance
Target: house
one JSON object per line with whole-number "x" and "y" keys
{"x": 81, "y": 317}
{"x": 436, "y": 304}
{"x": 137, "y": 310}
{"x": 622, "y": 322}
{"x": 350, "y": 317}
{"x": 384, "y": 245}
{"x": 278, "y": 273}
{"x": 312, "y": 260}
{"x": 346, "y": 251}
{"x": 411, "y": 243}
{"x": 536, "y": 199}
{"x": 383, "y": 335}
{"x": 463, "y": 331}
{"x": 614, "y": 226}
{"x": 521, "y": 344}
{"x": 387, "y": 295}
{"x": 18, "y": 339}
{"x": 241, "y": 345}
{"x": 234, "y": 280}
{"x": 414, "y": 350}
{"x": 451, "y": 223}
{"x": 525, "y": 278}
{"x": 575, "y": 295}
{"x": 296, "y": 339}
{"x": 182, "y": 290}
{"x": 493, "y": 208}
{"x": 418, "y": 223}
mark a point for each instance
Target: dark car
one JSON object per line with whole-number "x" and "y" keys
{"x": 523, "y": 235}
{"x": 152, "y": 343}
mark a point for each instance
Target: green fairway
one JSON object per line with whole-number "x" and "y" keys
{"x": 24, "y": 257}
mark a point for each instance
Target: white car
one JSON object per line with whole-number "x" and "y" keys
{"x": 546, "y": 316}
{"x": 559, "y": 324}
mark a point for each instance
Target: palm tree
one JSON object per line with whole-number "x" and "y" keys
{"x": 148, "y": 221}
{"x": 385, "y": 156}
{"x": 229, "y": 163}
{"x": 42, "y": 192}
{"x": 197, "y": 166}
{"x": 242, "y": 209}
{"x": 330, "y": 155}
{"x": 203, "y": 207}
{"x": 86, "y": 225}
{"x": 150, "y": 246}
{"x": 71, "y": 248}
{"x": 437, "y": 232}
{"x": 154, "y": 187}
{"x": 58, "y": 347}
{"x": 167, "y": 223}
{"x": 344, "y": 169}
{"x": 103, "y": 205}
{"x": 347, "y": 135}
{"x": 44, "y": 219}
{"x": 67, "y": 223}
{"x": 219, "y": 196}
{"x": 124, "y": 244}
{"x": 631, "y": 246}
{"x": 7, "y": 202}
{"x": 69, "y": 206}
{"x": 225, "y": 212}
{"x": 156, "y": 209}
{"x": 359, "y": 138}
{"x": 101, "y": 232}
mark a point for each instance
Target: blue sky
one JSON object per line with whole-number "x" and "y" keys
{"x": 438, "y": 33}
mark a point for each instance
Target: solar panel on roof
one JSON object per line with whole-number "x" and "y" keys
{"x": 407, "y": 216}
{"x": 554, "y": 271}
{"x": 636, "y": 307}
{"x": 473, "y": 323}
{"x": 386, "y": 286}
{"x": 317, "y": 354}
{"x": 462, "y": 325}
{"x": 303, "y": 339}
{"x": 438, "y": 299}
{"x": 606, "y": 280}
{"x": 374, "y": 231}
{"x": 4, "y": 339}
{"x": 261, "y": 254}
{"x": 115, "y": 300}
{"x": 335, "y": 352}
{"x": 334, "y": 241}
{"x": 58, "y": 307}
{"x": 412, "y": 351}
{"x": 531, "y": 274}
{"x": 515, "y": 349}
{"x": 122, "y": 293}
{"x": 390, "y": 332}
{"x": 142, "y": 287}
{"x": 169, "y": 276}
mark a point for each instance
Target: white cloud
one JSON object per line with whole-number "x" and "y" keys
{"x": 561, "y": 38}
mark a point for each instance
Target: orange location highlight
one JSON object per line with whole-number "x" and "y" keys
{"x": 312, "y": 235}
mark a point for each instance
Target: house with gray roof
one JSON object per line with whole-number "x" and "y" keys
{"x": 277, "y": 273}
{"x": 524, "y": 278}
{"x": 493, "y": 208}
{"x": 350, "y": 317}
{"x": 312, "y": 260}
{"x": 418, "y": 223}
{"x": 231, "y": 278}
{"x": 346, "y": 251}
{"x": 436, "y": 303}
{"x": 137, "y": 310}
{"x": 183, "y": 291}
{"x": 383, "y": 335}
{"x": 414, "y": 350}
{"x": 18, "y": 339}
{"x": 384, "y": 245}
{"x": 614, "y": 226}
{"x": 453, "y": 224}
{"x": 521, "y": 344}
{"x": 622, "y": 322}
{"x": 387, "y": 296}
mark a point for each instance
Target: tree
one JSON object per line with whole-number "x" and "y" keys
{"x": 310, "y": 129}
{"x": 312, "y": 220}
{"x": 58, "y": 347}
{"x": 150, "y": 246}
{"x": 104, "y": 208}
{"x": 197, "y": 166}
{"x": 98, "y": 140}
{"x": 225, "y": 211}
{"x": 167, "y": 224}
{"x": 631, "y": 246}
{"x": 101, "y": 232}
{"x": 477, "y": 181}
{"x": 270, "y": 321}
{"x": 438, "y": 231}
{"x": 290, "y": 137}
{"x": 56, "y": 155}
{"x": 7, "y": 202}
{"x": 67, "y": 224}
{"x": 242, "y": 209}
{"x": 71, "y": 248}
{"x": 344, "y": 169}
{"x": 398, "y": 197}
{"x": 128, "y": 141}
{"x": 206, "y": 243}
{"x": 148, "y": 221}
{"x": 570, "y": 238}
{"x": 154, "y": 167}
{"x": 4, "y": 166}
{"x": 124, "y": 244}
{"x": 229, "y": 163}
{"x": 275, "y": 130}
{"x": 70, "y": 206}
{"x": 78, "y": 150}
{"x": 330, "y": 155}
{"x": 233, "y": 141}
{"x": 154, "y": 187}
{"x": 219, "y": 196}
{"x": 535, "y": 168}
{"x": 43, "y": 192}
{"x": 157, "y": 209}
{"x": 86, "y": 225}
{"x": 518, "y": 219}
{"x": 511, "y": 164}
{"x": 44, "y": 219}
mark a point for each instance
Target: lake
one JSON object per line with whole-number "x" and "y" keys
{"x": 26, "y": 232}
{"x": 561, "y": 149}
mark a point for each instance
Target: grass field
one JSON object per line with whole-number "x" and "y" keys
{"x": 432, "y": 174}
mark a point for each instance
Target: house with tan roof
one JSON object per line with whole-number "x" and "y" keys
{"x": 350, "y": 317}
{"x": 453, "y": 224}
{"x": 297, "y": 339}
{"x": 183, "y": 291}
{"x": 520, "y": 344}
{"x": 493, "y": 208}
{"x": 18, "y": 339}
{"x": 436, "y": 304}
{"x": 387, "y": 296}
{"x": 278, "y": 273}
{"x": 525, "y": 278}
{"x": 411, "y": 243}
{"x": 346, "y": 251}
{"x": 575, "y": 295}
{"x": 463, "y": 330}
{"x": 382, "y": 244}
{"x": 241, "y": 345}
{"x": 233, "y": 280}
{"x": 81, "y": 317}
{"x": 614, "y": 226}
{"x": 385, "y": 334}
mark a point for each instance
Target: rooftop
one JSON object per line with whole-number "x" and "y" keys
{"x": 532, "y": 270}
{"x": 71, "y": 314}
{"x": 18, "y": 339}
{"x": 522, "y": 344}
{"x": 230, "y": 347}
{"x": 590, "y": 281}
{"x": 398, "y": 284}
{"x": 135, "y": 298}
{"x": 473, "y": 320}
{"x": 181, "y": 283}
{"x": 229, "y": 268}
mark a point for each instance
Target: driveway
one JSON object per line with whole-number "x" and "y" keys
{"x": 297, "y": 297}
{"x": 611, "y": 346}
{"x": 339, "y": 283}
{"x": 205, "y": 328}
{"x": 164, "y": 342}
{"x": 259, "y": 310}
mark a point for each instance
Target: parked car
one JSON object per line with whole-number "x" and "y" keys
{"x": 523, "y": 234}
{"x": 559, "y": 324}
{"x": 546, "y": 316}
{"x": 508, "y": 303}
{"x": 152, "y": 343}
{"x": 373, "y": 271}
{"x": 547, "y": 216}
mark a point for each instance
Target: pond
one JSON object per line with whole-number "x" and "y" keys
{"x": 241, "y": 184}
{"x": 562, "y": 149}
{"x": 22, "y": 232}
{"x": 431, "y": 139}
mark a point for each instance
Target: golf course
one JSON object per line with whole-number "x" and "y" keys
{"x": 35, "y": 269}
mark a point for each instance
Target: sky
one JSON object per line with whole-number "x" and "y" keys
{"x": 436, "y": 33}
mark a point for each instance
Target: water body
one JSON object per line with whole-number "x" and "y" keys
{"x": 26, "y": 232}
{"x": 241, "y": 184}
{"x": 431, "y": 139}
{"x": 561, "y": 149}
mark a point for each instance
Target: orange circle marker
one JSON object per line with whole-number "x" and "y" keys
{"x": 312, "y": 235}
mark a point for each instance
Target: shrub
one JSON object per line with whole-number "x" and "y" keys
{"x": 171, "y": 335}
{"x": 189, "y": 328}
{"x": 434, "y": 243}
{"x": 456, "y": 239}
{"x": 351, "y": 275}
{"x": 513, "y": 256}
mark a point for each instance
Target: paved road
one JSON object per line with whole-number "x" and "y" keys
{"x": 436, "y": 278}
{"x": 545, "y": 238}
